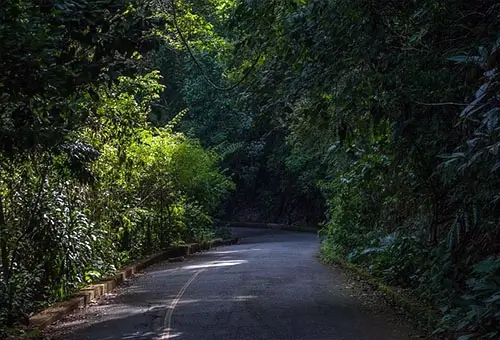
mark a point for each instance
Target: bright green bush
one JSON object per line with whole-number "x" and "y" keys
{"x": 111, "y": 195}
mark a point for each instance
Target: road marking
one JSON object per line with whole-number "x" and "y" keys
{"x": 167, "y": 321}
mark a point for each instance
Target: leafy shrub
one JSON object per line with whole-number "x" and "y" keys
{"x": 477, "y": 311}
{"x": 106, "y": 199}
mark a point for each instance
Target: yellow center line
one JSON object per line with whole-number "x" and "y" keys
{"x": 167, "y": 321}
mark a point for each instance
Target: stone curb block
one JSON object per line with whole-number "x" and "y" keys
{"x": 258, "y": 225}
{"x": 95, "y": 291}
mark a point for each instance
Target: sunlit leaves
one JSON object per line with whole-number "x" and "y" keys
{"x": 86, "y": 184}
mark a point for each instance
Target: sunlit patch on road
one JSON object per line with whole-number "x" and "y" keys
{"x": 217, "y": 299}
{"x": 214, "y": 264}
{"x": 168, "y": 334}
{"x": 135, "y": 336}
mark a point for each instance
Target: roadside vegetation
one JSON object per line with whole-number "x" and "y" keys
{"x": 127, "y": 126}
{"x": 87, "y": 183}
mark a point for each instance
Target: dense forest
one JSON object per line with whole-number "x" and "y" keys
{"x": 130, "y": 125}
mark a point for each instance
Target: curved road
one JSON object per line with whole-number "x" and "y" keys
{"x": 270, "y": 286}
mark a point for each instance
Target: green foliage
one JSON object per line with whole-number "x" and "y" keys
{"x": 391, "y": 110}
{"x": 86, "y": 183}
{"x": 379, "y": 117}
{"x": 150, "y": 188}
{"x": 54, "y": 54}
{"x": 478, "y": 310}
{"x": 164, "y": 188}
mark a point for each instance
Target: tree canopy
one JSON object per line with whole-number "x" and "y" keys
{"x": 128, "y": 125}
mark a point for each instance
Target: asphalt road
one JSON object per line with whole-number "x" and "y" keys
{"x": 271, "y": 286}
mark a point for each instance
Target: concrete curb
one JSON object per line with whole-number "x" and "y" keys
{"x": 95, "y": 291}
{"x": 277, "y": 226}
